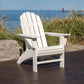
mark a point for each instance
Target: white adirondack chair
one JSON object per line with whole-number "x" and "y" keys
{"x": 36, "y": 44}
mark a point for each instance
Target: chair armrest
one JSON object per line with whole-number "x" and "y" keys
{"x": 56, "y": 34}
{"x": 33, "y": 37}
{"x": 63, "y": 37}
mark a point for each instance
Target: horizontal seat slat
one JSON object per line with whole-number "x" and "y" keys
{"x": 51, "y": 48}
{"x": 51, "y": 53}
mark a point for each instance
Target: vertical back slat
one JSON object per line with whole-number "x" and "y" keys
{"x": 36, "y": 29}
{"x": 41, "y": 30}
{"x": 31, "y": 27}
{"x": 30, "y": 23}
{"x": 25, "y": 27}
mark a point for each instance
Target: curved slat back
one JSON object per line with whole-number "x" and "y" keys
{"x": 32, "y": 25}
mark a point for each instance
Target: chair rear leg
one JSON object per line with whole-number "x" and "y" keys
{"x": 23, "y": 57}
{"x": 62, "y": 63}
{"x": 26, "y": 55}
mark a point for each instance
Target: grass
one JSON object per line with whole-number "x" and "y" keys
{"x": 73, "y": 24}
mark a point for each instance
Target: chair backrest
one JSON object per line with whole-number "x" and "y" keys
{"x": 32, "y": 25}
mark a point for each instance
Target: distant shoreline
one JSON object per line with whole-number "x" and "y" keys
{"x": 71, "y": 11}
{"x": 43, "y": 10}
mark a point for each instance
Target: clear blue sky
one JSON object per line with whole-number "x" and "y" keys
{"x": 43, "y": 4}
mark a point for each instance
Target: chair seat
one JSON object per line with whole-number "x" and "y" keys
{"x": 51, "y": 50}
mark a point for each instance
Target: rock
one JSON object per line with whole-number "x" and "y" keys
{"x": 79, "y": 47}
{"x": 71, "y": 48}
{"x": 9, "y": 50}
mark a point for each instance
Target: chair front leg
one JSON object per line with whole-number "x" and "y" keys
{"x": 35, "y": 66}
{"x": 62, "y": 63}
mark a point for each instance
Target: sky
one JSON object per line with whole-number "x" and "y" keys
{"x": 43, "y": 4}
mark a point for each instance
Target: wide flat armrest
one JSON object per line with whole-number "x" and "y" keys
{"x": 28, "y": 36}
{"x": 63, "y": 37}
{"x": 56, "y": 34}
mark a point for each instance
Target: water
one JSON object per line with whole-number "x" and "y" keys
{"x": 14, "y": 16}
